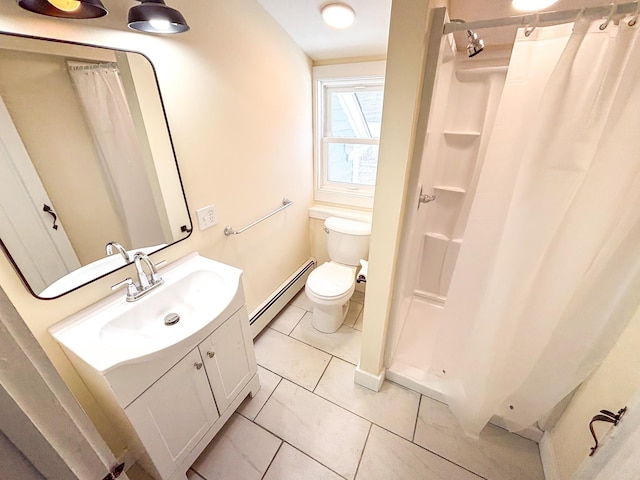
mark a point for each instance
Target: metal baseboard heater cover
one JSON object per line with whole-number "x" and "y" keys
{"x": 268, "y": 310}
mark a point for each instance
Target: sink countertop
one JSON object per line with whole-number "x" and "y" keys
{"x": 114, "y": 332}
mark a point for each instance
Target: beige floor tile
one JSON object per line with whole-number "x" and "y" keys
{"x": 191, "y": 475}
{"x": 329, "y": 434}
{"x": 287, "y": 319}
{"x": 344, "y": 343}
{"x": 389, "y": 457}
{"x": 268, "y": 383}
{"x": 358, "y": 324}
{"x": 358, "y": 297}
{"x": 290, "y": 358}
{"x": 291, "y": 464}
{"x": 240, "y": 451}
{"x": 136, "y": 472}
{"x": 498, "y": 454}
{"x": 302, "y": 301}
{"x": 393, "y": 407}
{"x": 355, "y": 309}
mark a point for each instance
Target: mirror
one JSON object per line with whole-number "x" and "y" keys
{"x": 86, "y": 159}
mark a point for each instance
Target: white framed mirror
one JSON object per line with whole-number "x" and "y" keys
{"x": 86, "y": 160}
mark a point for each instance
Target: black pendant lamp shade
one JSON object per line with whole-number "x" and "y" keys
{"x": 153, "y": 16}
{"x": 82, "y": 9}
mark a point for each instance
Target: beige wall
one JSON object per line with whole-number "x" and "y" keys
{"x": 237, "y": 93}
{"x": 610, "y": 387}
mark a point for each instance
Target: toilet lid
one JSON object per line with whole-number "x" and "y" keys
{"x": 331, "y": 280}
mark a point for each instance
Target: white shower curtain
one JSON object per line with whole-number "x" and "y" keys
{"x": 549, "y": 272}
{"x": 107, "y": 112}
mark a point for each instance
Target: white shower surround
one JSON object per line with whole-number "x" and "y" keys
{"x": 503, "y": 299}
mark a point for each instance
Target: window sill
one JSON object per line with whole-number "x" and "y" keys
{"x": 322, "y": 212}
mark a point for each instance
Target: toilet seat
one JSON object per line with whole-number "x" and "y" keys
{"x": 331, "y": 281}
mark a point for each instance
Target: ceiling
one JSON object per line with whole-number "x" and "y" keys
{"x": 369, "y": 34}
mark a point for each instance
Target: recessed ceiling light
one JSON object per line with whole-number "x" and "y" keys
{"x": 338, "y": 15}
{"x": 531, "y": 5}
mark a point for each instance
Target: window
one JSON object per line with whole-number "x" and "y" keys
{"x": 348, "y": 119}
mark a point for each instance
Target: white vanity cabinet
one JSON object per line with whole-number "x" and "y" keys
{"x": 229, "y": 361}
{"x": 174, "y": 413}
{"x": 195, "y": 397}
{"x": 167, "y": 388}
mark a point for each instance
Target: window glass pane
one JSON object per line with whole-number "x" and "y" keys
{"x": 355, "y": 114}
{"x": 352, "y": 163}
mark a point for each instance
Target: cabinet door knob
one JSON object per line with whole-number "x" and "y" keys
{"x": 211, "y": 354}
{"x": 198, "y": 365}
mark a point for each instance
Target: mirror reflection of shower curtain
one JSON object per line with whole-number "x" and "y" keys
{"x": 549, "y": 272}
{"x": 105, "y": 106}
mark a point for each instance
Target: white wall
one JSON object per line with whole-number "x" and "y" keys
{"x": 237, "y": 93}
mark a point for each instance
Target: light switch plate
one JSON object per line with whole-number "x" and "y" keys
{"x": 206, "y": 217}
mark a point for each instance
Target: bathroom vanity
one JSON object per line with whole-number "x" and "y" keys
{"x": 168, "y": 388}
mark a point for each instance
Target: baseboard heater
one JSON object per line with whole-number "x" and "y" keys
{"x": 268, "y": 309}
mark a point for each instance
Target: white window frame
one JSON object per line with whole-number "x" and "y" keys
{"x": 342, "y": 75}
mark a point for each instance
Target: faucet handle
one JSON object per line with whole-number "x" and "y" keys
{"x": 132, "y": 289}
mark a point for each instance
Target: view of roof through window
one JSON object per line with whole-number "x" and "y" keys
{"x": 355, "y": 116}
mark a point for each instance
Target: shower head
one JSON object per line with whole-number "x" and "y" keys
{"x": 475, "y": 45}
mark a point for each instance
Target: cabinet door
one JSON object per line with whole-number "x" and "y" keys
{"x": 229, "y": 358}
{"x": 174, "y": 413}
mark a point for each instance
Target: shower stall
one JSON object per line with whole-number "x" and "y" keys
{"x": 466, "y": 96}
{"x": 507, "y": 252}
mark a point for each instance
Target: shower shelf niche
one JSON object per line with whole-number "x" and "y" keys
{"x": 461, "y": 133}
{"x": 449, "y": 188}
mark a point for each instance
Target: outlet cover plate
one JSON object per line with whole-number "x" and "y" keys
{"x": 207, "y": 217}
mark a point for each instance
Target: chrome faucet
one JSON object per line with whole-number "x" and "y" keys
{"x": 145, "y": 283}
{"x": 111, "y": 245}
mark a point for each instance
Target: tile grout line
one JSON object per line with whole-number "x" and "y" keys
{"x": 275, "y": 454}
{"x": 320, "y": 377}
{"x": 415, "y": 425}
{"x": 366, "y": 440}
{"x": 265, "y": 402}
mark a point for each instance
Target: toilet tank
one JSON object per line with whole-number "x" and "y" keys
{"x": 347, "y": 240}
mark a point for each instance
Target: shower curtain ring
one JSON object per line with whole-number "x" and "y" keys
{"x": 530, "y": 28}
{"x": 612, "y": 10}
{"x": 633, "y": 20}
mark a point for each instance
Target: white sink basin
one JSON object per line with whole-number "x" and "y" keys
{"x": 114, "y": 332}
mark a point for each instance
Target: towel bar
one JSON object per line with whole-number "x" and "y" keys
{"x": 228, "y": 230}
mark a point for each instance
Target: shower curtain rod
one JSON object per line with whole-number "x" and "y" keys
{"x": 546, "y": 18}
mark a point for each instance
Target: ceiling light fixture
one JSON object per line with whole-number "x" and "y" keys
{"x": 338, "y": 15}
{"x": 531, "y": 5}
{"x": 153, "y": 16}
{"x": 81, "y": 9}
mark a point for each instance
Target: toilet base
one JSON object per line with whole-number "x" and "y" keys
{"x": 329, "y": 318}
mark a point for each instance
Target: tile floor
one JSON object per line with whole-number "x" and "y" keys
{"x": 310, "y": 421}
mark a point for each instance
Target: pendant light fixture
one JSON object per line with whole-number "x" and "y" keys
{"x": 81, "y": 9}
{"x": 153, "y": 16}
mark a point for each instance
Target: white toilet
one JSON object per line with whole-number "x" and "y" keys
{"x": 330, "y": 286}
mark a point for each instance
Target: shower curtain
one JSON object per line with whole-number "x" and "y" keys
{"x": 549, "y": 272}
{"x": 107, "y": 112}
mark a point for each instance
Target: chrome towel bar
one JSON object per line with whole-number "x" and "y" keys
{"x": 228, "y": 230}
